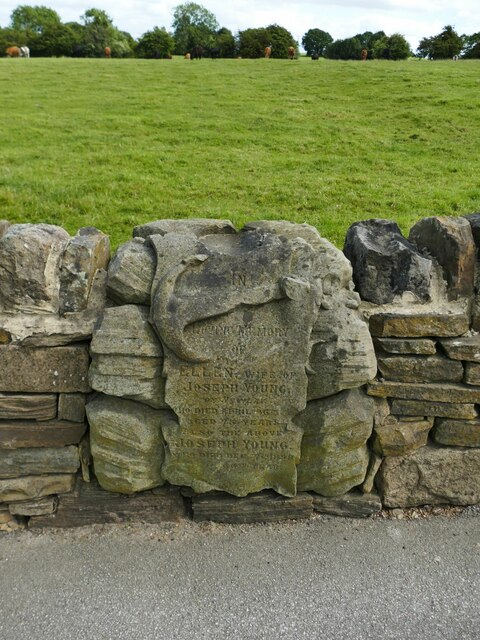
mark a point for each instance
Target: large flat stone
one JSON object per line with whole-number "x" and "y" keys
{"x": 44, "y": 370}
{"x": 15, "y": 434}
{"x": 334, "y": 456}
{"x": 260, "y": 507}
{"x": 130, "y": 273}
{"x": 32, "y": 487}
{"x": 385, "y": 264}
{"x": 419, "y": 324}
{"x": 126, "y": 444}
{"x": 457, "y": 433}
{"x": 38, "y": 461}
{"x": 404, "y": 346}
{"x": 89, "y": 504}
{"x": 437, "y": 409}
{"x": 350, "y": 505}
{"x": 194, "y": 226}
{"x": 84, "y": 256}
{"x": 420, "y": 369}
{"x": 451, "y": 393}
{"x": 30, "y": 261}
{"x": 396, "y": 437}
{"x": 463, "y": 348}
{"x": 40, "y": 507}
{"x": 431, "y": 475}
{"x": 126, "y": 331}
{"x": 18, "y": 406}
{"x": 450, "y": 242}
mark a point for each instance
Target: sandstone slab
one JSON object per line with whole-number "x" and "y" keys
{"x": 385, "y": 264}
{"x": 395, "y": 437}
{"x": 33, "y": 487}
{"x": 15, "y": 434}
{"x": 126, "y": 444}
{"x": 452, "y": 393}
{"x": 71, "y": 407}
{"x": 89, "y": 504}
{"x": 335, "y": 457}
{"x": 30, "y": 261}
{"x": 457, "y": 433}
{"x": 194, "y": 226}
{"x": 472, "y": 373}
{"x": 44, "y": 370}
{"x": 437, "y": 409}
{"x": 236, "y": 322}
{"x": 38, "y": 461}
{"x": 463, "y": 348}
{"x": 450, "y": 242}
{"x": 420, "y": 369}
{"x": 373, "y": 467}
{"x": 131, "y": 272}
{"x": 41, "y": 507}
{"x": 419, "y": 325}
{"x": 431, "y": 475}
{"x": 18, "y": 406}
{"x": 404, "y": 346}
{"x": 260, "y": 507}
{"x": 350, "y": 505}
{"x": 84, "y": 255}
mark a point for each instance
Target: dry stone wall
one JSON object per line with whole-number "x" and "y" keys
{"x": 239, "y": 376}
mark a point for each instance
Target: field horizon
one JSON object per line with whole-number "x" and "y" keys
{"x": 115, "y": 143}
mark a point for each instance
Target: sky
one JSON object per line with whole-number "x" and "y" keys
{"x": 415, "y": 19}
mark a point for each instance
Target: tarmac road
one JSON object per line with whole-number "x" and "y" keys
{"x": 324, "y": 578}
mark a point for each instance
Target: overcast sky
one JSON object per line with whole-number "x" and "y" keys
{"x": 341, "y": 18}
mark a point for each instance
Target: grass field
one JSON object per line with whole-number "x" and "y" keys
{"x": 113, "y": 143}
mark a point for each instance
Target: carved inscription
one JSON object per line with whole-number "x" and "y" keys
{"x": 236, "y": 381}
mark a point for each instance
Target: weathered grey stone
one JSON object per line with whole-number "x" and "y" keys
{"x": 86, "y": 460}
{"x": 404, "y": 346}
{"x": 373, "y": 467}
{"x": 236, "y": 322}
{"x": 463, "y": 348}
{"x": 474, "y": 221}
{"x": 30, "y": 462}
{"x": 457, "y": 433}
{"x": 396, "y": 437}
{"x": 126, "y": 444}
{"x": 84, "y": 255}
{"x": 334, "y": 452}
{"x": 472, "y": 373}
{"x": 450, "y": 242}
{"x": 32, "y": 487}
{"x": 342, "y": 355}
{"x": 41, "y": 507}
{"x": 50, "y": 330}
{"x": 127, "y": 357}
{"x": 437, "y": 409}
{"x": 385, "y": 264}
{"x": 419, "y": 325}
{"x": 194, "y": 226}
{"x": 350, "y": 505}
{"x": 71, "y": 407}
{"x": 17, "y": 434}
{"x": 91, "y": 505}
{"x": 30, "y": 260}
{"x": 18, "y": 406}
{"x": 131, "y": 271}
{"x": 44, "y": 370}
{"x": 260, "y": 507}
{"x": 452, "y": 393}
{"x": 420, "y": 369}
{"x": 431, "y": 475}
{"x": 4, "y": 226}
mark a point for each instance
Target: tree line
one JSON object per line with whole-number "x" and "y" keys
{"x": 42, "y": 30}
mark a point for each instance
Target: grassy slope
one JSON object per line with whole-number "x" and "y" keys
{"x": 117, "y": 142}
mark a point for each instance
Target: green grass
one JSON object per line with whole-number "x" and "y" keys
{"x": 114, "y": 143}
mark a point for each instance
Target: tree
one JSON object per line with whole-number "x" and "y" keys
{"x": 34, "y": 20}
{"x": 56, "y": 40}
{"x": 225, "y": 42}
{"x": 444, "y": 45}
{"x": 100, "y": 32}
{"x": 315, "y": 41}
{"x": 348, "y": 49}
{"x": 280, "y": 40}
{"x": 193, "y": 25}
{"x": 368, "y": 39}
{"x": 157, "y": 43}
{"x": 393, "y": 47}
{"x": 252, "y": 42}
{"x": 471, "y": 46}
